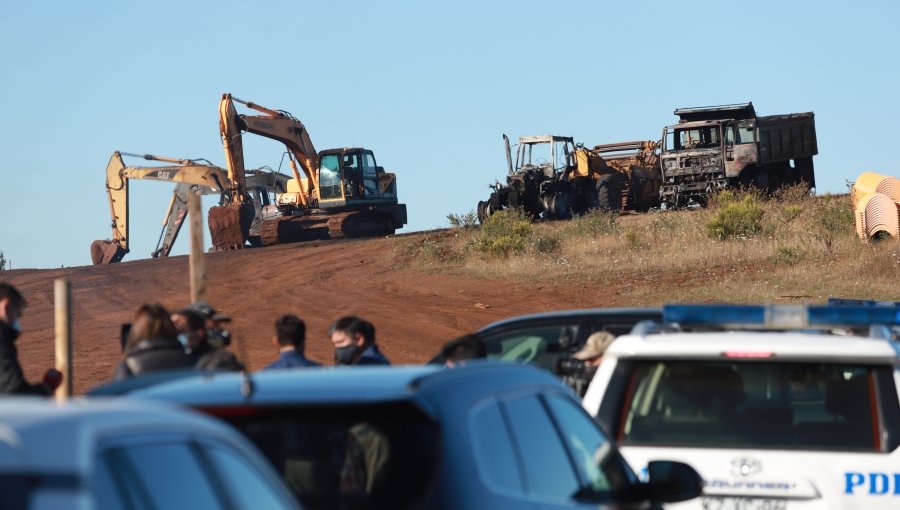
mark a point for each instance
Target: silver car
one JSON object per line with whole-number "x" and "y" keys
{"x": 127, "y": 455}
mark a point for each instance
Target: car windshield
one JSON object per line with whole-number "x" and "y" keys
{"x": 361, "y": 457}
{"x": 817, "y": 406}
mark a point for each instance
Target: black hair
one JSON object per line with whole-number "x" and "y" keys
{"x": 352, "y": 325}
{"x": 7, "y": 291}
{"x": 194, "y": 319}
{"x": 290, "y": 330}
{"x": 469, "y": 346}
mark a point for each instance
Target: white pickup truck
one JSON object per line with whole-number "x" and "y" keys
{"x": 776, "y": 407}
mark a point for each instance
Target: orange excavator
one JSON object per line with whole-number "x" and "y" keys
{"x": 341, "y": 192}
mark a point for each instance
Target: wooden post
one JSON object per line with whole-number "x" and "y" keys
{"x": 198, "y": 266}
{"x": 63, "y": 313}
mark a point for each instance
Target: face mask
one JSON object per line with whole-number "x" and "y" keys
{"x": 344, "y": 355}
{"x": 183, "y": 340}
{"x": 17, "y": 327}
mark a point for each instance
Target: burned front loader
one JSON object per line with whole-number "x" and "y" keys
{"x": 572, "y": 180}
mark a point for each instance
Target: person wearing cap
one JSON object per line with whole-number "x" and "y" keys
{"x": 290, "y": 339}
{"x": 193, "y": 335}
{"x": 217, "y": 335}
{"x": 592, "y": 352}
{"x": 578, "y": 371}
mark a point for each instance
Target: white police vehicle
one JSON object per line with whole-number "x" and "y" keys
{"x": 777, "y": 407}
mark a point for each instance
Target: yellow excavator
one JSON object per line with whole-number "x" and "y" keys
{"x": 190, "y": 175}
{"x": 342, "y": 192}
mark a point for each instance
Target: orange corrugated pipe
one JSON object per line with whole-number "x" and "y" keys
{"x": 876, "y": 204}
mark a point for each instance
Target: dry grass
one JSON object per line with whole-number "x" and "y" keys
{"x": 804, "y": 250}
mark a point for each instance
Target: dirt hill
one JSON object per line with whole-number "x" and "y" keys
{"x": 414, "y": 313}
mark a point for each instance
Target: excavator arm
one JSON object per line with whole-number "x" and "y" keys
{"x": 189, "y": 175}
{"x": 229, "y": 225}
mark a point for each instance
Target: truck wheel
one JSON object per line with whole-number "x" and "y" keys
{"x": 482, "y": 211}
{"x": 609, "y": 192}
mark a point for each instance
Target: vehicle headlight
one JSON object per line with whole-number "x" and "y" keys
{"x": 669, "y": 164}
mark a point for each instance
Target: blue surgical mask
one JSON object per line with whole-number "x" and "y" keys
{"x": 17, "y": 326}
{"x": 344, "y": 355}
{"x": 183, "y": 339}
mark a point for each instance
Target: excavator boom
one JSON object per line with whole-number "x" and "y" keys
{"x": 189, "y": 176}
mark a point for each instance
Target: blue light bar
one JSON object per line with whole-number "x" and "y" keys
{"x": 861, "y": 302}
{"x": 780, "y": 316}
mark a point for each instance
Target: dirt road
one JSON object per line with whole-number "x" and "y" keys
{"x": 414, "y": 313}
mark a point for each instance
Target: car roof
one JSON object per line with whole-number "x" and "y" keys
{"x": 338, "y": 385}
{"x": 781, "y": 346}
{"x": 40, "y": 435}
{"x": 599, "y": 313}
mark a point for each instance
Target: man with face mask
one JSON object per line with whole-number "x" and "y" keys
{"x": 12, "y": 305}
{"x": 354, "y": 342}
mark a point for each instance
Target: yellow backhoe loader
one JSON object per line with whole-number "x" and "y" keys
{"x": 197, "y": 176}
{"x": 342, "y": 192}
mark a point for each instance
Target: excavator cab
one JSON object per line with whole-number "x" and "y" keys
{"x": 351, "y": 176}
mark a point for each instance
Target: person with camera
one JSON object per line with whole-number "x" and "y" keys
{"x": 12, "y": 306}
{"x": 578, "y": 370}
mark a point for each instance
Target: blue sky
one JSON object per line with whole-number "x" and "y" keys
{"x": 429, "y": 86}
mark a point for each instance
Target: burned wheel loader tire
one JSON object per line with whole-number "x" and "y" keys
{"x": 481, "y": 211}
{"x": 106, "y": 252}
{"x": 609, "y": 192}
{"x": 558, "y": 205}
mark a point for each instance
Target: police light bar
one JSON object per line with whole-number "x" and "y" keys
{"x": 861, "y": 302}
{"x": 779, "y": 316}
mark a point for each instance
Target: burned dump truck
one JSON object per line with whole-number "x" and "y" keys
{"x": 553, "y": 178}
{"x": 717, "y": 147}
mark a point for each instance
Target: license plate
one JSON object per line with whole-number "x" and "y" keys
{"x": 724, "y": 503}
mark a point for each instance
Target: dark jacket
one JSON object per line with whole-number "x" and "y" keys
{"x": 11, "y": 378}
{"x": 207, "y": 357}
{"x": 372, "y": 356}
{"x": 152, "y": 355}
{"x": 292, "y": 359}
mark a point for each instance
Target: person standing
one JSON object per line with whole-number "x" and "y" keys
{"x": 152, "y": 344}
{"x": 194, "y": 335}
{"x": 12, "y": 380}
{"x": 290, "y": 339}
{"x": 354, "y": 342}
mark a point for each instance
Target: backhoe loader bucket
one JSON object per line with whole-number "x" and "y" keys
{"x": 106, "y": 252}
{"x": 229, "y": 225}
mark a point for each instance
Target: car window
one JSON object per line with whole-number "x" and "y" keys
{"x": 380, "y": 456}
{"x": 167, "y": 476}
{"x": 595, "y": 457}
{"x": 106, "y": 493}
{"x": 494, "y": 450}
{"x": 548, "y": 471}
{"x": 821, "y": 406}
{"x": 247, "y": 487}
{"x": 539, "y": 345}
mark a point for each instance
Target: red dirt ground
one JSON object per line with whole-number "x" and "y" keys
{"x": 414, "y": 313}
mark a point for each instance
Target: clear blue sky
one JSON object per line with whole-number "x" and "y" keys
{"x": 430, "y": 87}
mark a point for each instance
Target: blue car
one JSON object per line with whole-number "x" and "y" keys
{"x": 484, "y": 435}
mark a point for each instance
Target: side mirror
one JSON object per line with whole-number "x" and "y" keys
{"x": 671, "y": 481}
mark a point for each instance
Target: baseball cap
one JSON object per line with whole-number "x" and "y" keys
{"x": 208, "y": 312}
{"x": 595, "y": 346}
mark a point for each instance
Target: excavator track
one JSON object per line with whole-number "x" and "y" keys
{"x": 321, "y": 224}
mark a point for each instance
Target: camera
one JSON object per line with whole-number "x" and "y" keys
{"x": 571, "y": 366}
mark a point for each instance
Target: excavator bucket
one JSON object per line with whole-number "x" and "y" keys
{"x": 106, "y": 252}
{"x": 229, "y": 225}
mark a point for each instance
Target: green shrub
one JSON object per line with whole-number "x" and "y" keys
{"x": 546, "y": 244}
{"x": 788, "y": 255}
{"x": 632, "y": 238}
{"x": 790, "y": 213}
{"x": 504, "y": 233}
{"x": 735, "y": 217}
{"x": 594, "y": 223}
{"x": 831, "y": 219}
{"x": 467, "y": 220}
